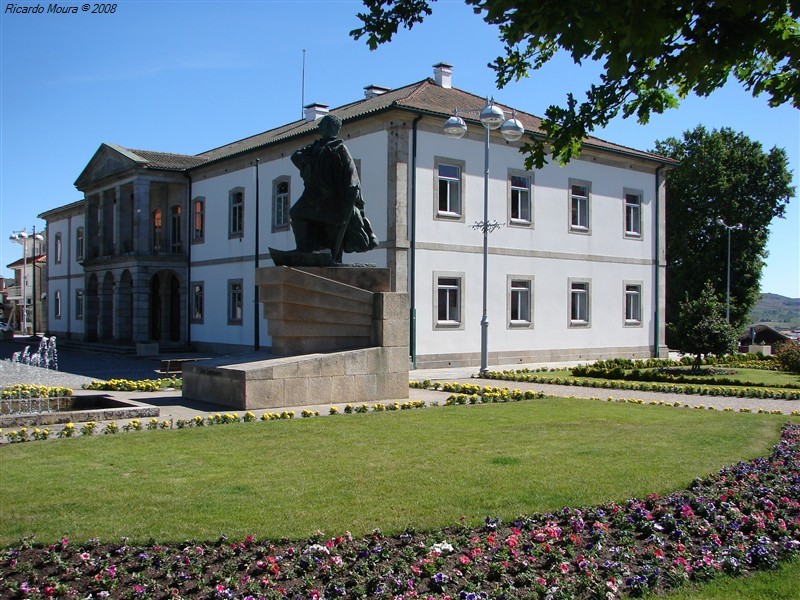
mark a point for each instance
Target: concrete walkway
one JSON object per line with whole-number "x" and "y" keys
{"x": 173, "y": 406}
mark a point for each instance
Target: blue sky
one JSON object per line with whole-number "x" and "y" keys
{"x": 186, "y": 76}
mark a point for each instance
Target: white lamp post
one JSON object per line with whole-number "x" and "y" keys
{"x": 729, "y": 228}
{"x": 492, "y": 117}
{"x": 22, "y": 237}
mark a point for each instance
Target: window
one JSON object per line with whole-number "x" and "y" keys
{"x": 198, "y": 220}
{"x": 579, "y": 207}
{"x": 197, "y": 302}
{"x": 175, "y": 229}
{"x": 58, "y": 248}
{"x": 280, "y": 205}
{"x": 519, "y": 309}
{"x": 235, "y": 302}
{"x": 579, "y": 303}
{"x": 633, "y": 214}
{"x": 79, "y": 244}
{"x": 449, "y": 188}
{"x": 57, "y": 305}
{"x": 448, "y": 302}
{"x": 157, "y": 227}
{"x": 79, "y": 304}
{"x": 520, "y": 198}
{"x": 633, "y": 304}
{"x": 236, "y": 213}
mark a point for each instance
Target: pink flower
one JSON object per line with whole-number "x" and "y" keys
{"x": 464, "y": 559}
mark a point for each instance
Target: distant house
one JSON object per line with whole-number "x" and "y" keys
{"x": 762, "y": 335}
{"x": 164, "y": 247}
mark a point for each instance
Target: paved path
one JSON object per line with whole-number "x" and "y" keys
{"x": 77, "y": 367}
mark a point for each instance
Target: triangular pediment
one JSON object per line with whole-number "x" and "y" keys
{"x": 108, "y": 161}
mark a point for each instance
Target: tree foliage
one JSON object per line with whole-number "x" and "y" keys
{"x": 702, "y": 329}
{"x": 721, "y": 175}
{"x": 654, "y": 53}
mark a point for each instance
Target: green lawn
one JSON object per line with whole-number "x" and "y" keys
{"x": 421, "y": 469}
{"x": 780, "y": 584}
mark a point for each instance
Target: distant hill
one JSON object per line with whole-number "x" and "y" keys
{"x": 777, "y": 311}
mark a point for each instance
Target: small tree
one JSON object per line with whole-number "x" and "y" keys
{"x": 702, "y": 328}
{"x": 788, "y": 354}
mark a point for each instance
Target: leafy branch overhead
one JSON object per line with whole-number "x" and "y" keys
{"x": 654, "y": 53}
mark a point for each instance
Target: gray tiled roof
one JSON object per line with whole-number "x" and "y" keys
{"x": 421, "y": 97}
{"x": 169, "y": 161}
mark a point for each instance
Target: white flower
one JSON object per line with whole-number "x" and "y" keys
{"x": 442, "y": 548}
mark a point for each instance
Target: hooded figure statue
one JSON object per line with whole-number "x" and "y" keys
{"x": 329, "y": 215}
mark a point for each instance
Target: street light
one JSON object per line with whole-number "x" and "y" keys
{"x": 22, "y": 237}
{"x": 491, "y": 117}
{"x": 729, "y": 228}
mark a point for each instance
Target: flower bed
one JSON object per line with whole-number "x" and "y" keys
{"x": 744, "y": 518}
{"x": 645, "y": 386}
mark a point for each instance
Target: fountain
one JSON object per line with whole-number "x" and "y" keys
{"x": 45, "y": 357}
{"x": 41, "y": 368}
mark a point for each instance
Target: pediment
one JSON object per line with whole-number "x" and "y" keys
{"x": 108, "y": 161}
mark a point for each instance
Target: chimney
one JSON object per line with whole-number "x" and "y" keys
{"x": 443, "y": 75}
{"x": 374, "y": 90}
{"x": 315, "y": 111}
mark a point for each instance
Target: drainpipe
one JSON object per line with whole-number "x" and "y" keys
{"x": 256, "y": 331}
{"x": 412, "y": 276}
{"x": 657, "y": 332}
{"x": 69, "y": 278}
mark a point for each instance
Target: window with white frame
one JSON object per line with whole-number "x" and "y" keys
{"x": 79, "y": 244}
{"x": 198, "y": 220}
{"x": 449, "y": 188}
{"x": 59, "y": 248}
{"x": 57, "y": 305}
{"x": 197, "y": 301}
{"x": 633, "y": 214}
{"x": 235, "y": 302}
{"x": 280, "y": 205}
{"x": 236, "y": 213}
{"x": 519, "y": 186}
{"x": 579, "y": 303}
{"x": 79, "y": 304}
{"x": 579, "y": 206}
{"x": 448, "y": 300}
{"x": 520, "y": 301}
{"x": 633, "y": 304}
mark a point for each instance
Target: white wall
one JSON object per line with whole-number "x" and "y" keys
{"x": 219, "y": 259}
{"x": 546, "y": 251}
{"x": 64, "y": 277}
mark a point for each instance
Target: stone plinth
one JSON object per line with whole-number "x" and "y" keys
{"x": 342, "y": 336}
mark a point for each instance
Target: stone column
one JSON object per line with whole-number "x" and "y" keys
{"x": 141, "y": 305}
{"x": 397, "y": 207}
{"x": 141, "y": 217}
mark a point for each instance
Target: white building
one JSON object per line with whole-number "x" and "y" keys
{"x": 166, "y": 246}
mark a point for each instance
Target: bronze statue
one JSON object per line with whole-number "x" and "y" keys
{"x": 328, "y": 219}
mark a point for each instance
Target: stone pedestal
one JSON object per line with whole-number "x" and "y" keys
{"x": 340, "y": 334}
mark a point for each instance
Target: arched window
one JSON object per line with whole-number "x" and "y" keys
{"x": 280, "y": 205}
{"x": 58, "y": 255}
{"x": 175, "y": 229}
{"x": 236, "y": 213}
{"x": 198, "y": 220}
{"x": 156, "y": 234}
{"x": 79, "y": 244}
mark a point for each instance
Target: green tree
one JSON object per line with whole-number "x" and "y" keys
{"x": 701, "y": 328}
{"x": 654, "y": 53}
{"x": 721, "y": 175}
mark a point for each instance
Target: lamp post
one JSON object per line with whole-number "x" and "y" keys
{"x": 22, "y": 237}
{"x": 491, "y": 117}
{"x": 729, "y": 228}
